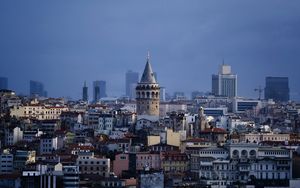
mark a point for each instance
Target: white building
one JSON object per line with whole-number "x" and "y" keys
{"x": 12, "y": 136}
{"x": 48, "y": 144}
{"x": 260, "y": 137}
{"x": 242, "y": 162}
{"x": 105, "y": 124}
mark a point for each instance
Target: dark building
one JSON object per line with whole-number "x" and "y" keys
{"x": 99, "y": 90}
{"x": 277, "y": 88}
{"x": 132, "y": 78}
{"x": 3, "y": 83}
{"x": 85, "y": 96}
{"x": 37, "y": 89}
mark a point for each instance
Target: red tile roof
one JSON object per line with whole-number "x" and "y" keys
{"x": 214, "y": 130}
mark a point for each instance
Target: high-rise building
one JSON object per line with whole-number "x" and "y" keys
{"x": 37, "y": 89}
{"x": 3, "y": 83}
{"x": 85, "y": 92}
{"x": 162, "y": 92}
{"x": 132, "y": 78}
{"x": 103, "y": 89}
{"x": 277, "y": 88}
{"x": 99, "y": 90}
{"x": 224, "y": 83}
{"x": 147, "y": 93}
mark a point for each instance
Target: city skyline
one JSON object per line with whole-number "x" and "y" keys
{"x": 101, "y": 41}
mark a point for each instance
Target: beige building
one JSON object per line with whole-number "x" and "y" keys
{"x": 36, "y": 111}
{"x": 153, "y": 140}
{"x": 89, "y": 164}
{"x": 260, "y": 137}
{"x": 174, "y": 161}
{"x": 147, "y": 93}
{"x": 173, "y": 138}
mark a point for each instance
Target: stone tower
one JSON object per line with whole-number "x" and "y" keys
{"x": 147, "y": 93}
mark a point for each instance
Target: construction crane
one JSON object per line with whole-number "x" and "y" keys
{"x": 259, "y": 90}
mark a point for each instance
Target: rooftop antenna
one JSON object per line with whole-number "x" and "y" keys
{"x": 148, "y": 55}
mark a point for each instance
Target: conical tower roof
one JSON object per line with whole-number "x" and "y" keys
{"x": 148, "y": 76}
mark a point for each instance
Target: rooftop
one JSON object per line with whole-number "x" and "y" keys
{"x": 148, "y": 76}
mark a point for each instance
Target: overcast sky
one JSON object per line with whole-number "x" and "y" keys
{"x": 64, "y": 43}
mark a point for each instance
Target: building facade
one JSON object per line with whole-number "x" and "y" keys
{"x": 85, "y": 96}
{"x": 39, "y": 112}
{"x": 224, "y": 83}
{"x": 90, "y": 164}
{"x": 277, "y": 88}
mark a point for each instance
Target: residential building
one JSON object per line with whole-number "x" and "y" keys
{"x": 105, "y": 124}
{"x": 23, "y": 158}
{"x": 48, "y": 144}
{"x": 6, "y": 162}
{"x": 120, "y": 164}
{"x": 71, "y": 176}
{"x": 148, "y": 160}
{"x": 264, "y": 137}
{"x": 174, "y": 162}
{"x": 13, "y": 135}
{"x": 39, "y": 112}
{"x": 151, "y": 179}
{"x": 90, "y": 164}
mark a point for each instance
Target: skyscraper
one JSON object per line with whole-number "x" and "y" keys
{"x": 277, "y": 88}
{"x": 37, "y": 89}
{"x": 99, "y": 89}
{"x": 85, "y": 92}
{"x": 162, "y": 92}
{"x": 224, "y": 83}
{"x": 132, "y": 78}
{"x": 3, "y": 83}
{"x": 147, "y": 93}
